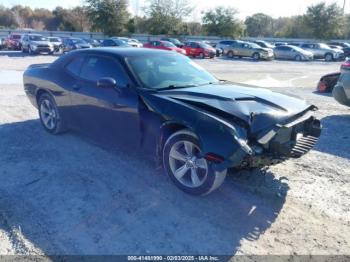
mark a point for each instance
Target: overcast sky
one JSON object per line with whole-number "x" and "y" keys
{"x": 274, "y": 8}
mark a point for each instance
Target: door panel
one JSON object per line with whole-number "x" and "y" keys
{"x": 108, "y": 115}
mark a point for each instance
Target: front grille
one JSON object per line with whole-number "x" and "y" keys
{"x": 303, "y": 145}
{"x": 43, "y": 46}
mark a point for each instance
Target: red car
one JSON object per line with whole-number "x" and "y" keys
{"x": 200, "y": 49}
{"x": 164, "y": 45}
{"x": 13, "y": 42}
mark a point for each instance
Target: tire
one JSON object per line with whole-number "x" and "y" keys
{"x": 297, "y": 58}
{"x": 328, "y": 57}
{"x": 189, "y": 173}
{"x": 256, "y": 56}
{"x": 49, "y": 114}
{"x": 30, "y": 51}
{"x": 201, "y": 55}
{"x": 230, "y": 54}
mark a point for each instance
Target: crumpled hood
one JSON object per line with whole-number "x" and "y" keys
{"x": 258, "y": 107}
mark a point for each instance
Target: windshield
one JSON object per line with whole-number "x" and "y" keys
{"x": 296, "y": 48}
{"x": 175, "y": 41}
{"x": 54, "y": 39}
{"x": 168, "y": 44}
{"x": 252, "y": 45}
{"x": 169, "y": 71}
{"x": 78, "y": 41}
{"x": 324, "y": 46}
{"x": 37, "y": 38}
{"x": 204, "y": 45}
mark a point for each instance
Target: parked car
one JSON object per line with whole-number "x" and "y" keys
{"x": 132, "y": 42}
{"x": 174, "y": 41}
{"x": 199, "y": 49}
{"x": 13, "y": 42}
{"x": 264, "y": 44}
{"x": 327, "y": 82}
{"x": 163, "y": 105}
{"x": 57, "y": 43}
{"x": 339, "y": 43}
{"x": 35, "y": 44}
{"x": 225, "y": 43}
{"x": 92, "y": 42}
{"x": 164, "y": 45}
{"x": 114, "y": 42}
{"x": 72, "y": 43}
{"x": 323, "y": 51}
{"x": 341, "y": 91}
{"x": 292, "y": 53}
{"x": 247, "y": 49}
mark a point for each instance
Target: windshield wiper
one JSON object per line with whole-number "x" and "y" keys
{"x": 169, "y": 87}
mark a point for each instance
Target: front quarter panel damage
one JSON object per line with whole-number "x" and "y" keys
{"x": 215, "y": 135}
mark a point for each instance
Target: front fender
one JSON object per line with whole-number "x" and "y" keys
{"x": 215, "y": 135}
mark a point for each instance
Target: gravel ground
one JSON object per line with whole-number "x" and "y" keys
{"x": 67, "y": 195}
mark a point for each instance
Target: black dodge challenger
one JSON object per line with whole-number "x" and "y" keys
{"x": 162, "y": 103}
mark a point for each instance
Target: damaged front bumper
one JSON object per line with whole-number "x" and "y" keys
{"x": 289, "y": 140}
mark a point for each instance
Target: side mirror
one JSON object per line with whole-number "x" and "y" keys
{"x": 106, "y": 82}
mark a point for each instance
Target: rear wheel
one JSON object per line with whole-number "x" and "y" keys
{"x": 186, "y": 167}
{"x": 49, "y": 114}
{"x": 230, "y": 54}
{"x": 201, "y": 55}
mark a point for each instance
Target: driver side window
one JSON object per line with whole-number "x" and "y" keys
{"x": 97, "y": 67}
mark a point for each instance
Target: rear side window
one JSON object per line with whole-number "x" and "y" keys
{"x": 96, "y": 67}
{"x": 74, "y": 66}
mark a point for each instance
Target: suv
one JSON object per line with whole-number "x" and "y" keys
{"x": 13, "y": 42}
{"x": 247, "y": 49}
{"x": 34, "y": 43}
{"x": 323, "y": 51}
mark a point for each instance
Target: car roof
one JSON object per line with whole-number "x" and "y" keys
{"x": 123, "y": 51}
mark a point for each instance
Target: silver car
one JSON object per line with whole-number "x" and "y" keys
{"x": 292, "y": 53}
{"x": 35, "y": 43}
{"x": 323, "y": 51}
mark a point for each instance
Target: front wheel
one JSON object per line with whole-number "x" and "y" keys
{"x": 49, "y": 114}
{"x": 329, "y": 57}
{"x": 201, "y": 56}
{"x": 183, "y": 162}
{"x": 256, "y": 56}
{"x": 298, "y": 58}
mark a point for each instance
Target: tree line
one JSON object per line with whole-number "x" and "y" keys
{"x": 170, "y": 17}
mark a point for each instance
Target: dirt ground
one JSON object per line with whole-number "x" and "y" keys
{"x": 66, "y": 195}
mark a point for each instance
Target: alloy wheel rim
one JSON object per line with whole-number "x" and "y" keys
{"x": 48, "y": 114}
{"x": 186, "y": 165}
